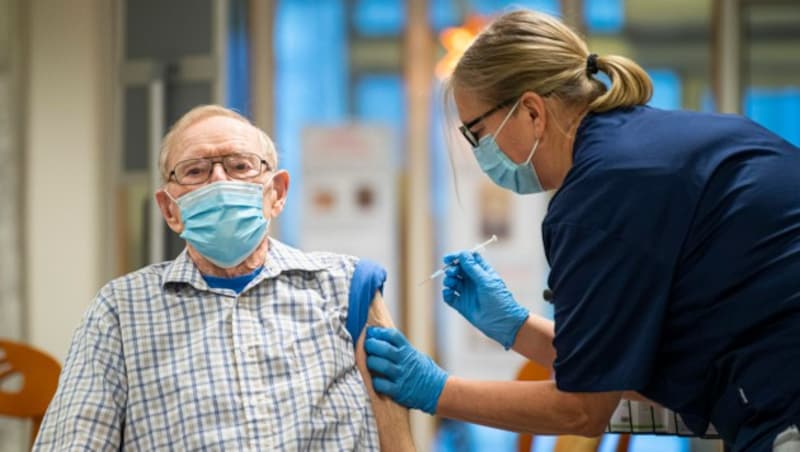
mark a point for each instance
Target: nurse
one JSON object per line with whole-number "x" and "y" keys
{"x": 673, "y": 239}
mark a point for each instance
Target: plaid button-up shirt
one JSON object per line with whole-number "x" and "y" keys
{"x": 163, "y": 362}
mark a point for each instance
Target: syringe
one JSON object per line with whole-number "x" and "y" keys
{"x": 478, "y": 247}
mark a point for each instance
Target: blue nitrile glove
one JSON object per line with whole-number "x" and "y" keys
{"x": 475, "y": 290}
{"x": 398, "y": 370}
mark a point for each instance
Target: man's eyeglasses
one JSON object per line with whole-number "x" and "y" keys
{"x": 466, "y": 128}
{"x": 238, "y": 166}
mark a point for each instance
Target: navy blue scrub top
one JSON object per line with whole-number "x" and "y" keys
{"x": 674, "y": 246}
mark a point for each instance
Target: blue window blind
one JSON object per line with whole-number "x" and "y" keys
{"x": 604, "y": 16}
{"x": 379, "y": 17}
{"x": 492, "y": 7}
{"x": 380, "y": 97}
{"x": 443, "y": 14}
{"x": 707, "y": 102}
{"x": 667, "y": 89}
{"x": 646, "y": 443}
{"x": 449, "y": 13}
{"x": 777, "y": 109}
{"x": 311, "y": 73}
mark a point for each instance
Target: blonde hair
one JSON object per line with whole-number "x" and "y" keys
{"x": 197, "y": 114}
{"x": 531, "y": 51}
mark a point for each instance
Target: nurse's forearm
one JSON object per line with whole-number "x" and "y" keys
{"x": 535, "y": 340}
{"x": 536, "y": 407}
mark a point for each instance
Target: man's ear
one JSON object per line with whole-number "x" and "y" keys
{"x": 169, "y": 210}
{"x": 536, "y": 107}
{"x": 276, "y": 195}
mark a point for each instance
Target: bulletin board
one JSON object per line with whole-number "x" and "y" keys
{"x": 349, "y": 196}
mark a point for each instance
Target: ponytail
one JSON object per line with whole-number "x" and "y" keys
{"x": 630, "y": 84}
{"x": 531, "y": 51}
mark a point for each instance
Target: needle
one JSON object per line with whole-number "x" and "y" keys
{"x": 475, "y": 248}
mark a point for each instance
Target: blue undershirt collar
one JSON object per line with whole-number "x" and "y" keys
{"x": 236, "y": 283}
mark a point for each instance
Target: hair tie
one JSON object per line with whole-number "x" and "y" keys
{"x": 591, "y": 64}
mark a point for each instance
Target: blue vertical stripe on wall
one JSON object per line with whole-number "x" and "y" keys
{"x": 237, "y": 92}
{"x": 311, "y": 61}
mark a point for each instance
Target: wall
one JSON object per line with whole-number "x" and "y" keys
{"x": 67, "y": 124}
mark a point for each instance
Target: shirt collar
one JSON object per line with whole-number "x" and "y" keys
{"x": 283, "y": 258}
{"x": 183, "y": 270}
{"x": 280, "y": 258}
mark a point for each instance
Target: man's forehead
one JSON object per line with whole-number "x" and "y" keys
{"x": 219, "y": 128}
{"x": 217, "y": 135}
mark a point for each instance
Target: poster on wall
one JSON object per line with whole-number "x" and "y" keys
{"x": 479, "y": 210}
{"x": 349, "y": 196}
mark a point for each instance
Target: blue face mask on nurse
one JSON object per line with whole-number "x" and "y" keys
{"x": 518, "y": 177}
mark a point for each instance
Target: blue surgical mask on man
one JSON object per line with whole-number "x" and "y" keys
{"x": 517, "y": 177}
{"x": 224, "y": 221}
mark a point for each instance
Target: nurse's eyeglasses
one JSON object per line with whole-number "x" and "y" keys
{"x": 466, "y": 128}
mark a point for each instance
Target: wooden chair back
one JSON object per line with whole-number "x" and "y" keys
{"x": 39, "y": 372}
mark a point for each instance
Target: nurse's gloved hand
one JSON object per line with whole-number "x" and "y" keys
{"x": 475, "y": 290}
{"x": 398, "y": 370}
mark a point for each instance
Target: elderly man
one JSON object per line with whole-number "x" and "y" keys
{"x": 241, "y": 342}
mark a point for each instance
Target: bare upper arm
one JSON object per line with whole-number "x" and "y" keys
{"x": 393, "y": 422}
{"x": 378, "y": 315}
